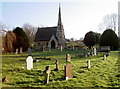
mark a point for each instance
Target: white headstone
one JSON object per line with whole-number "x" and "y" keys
{"x": 89, "y": 64}
{"x": 94, "y": 51}
{"x": 29, "y": 63}
{"x": 105, "y": 58}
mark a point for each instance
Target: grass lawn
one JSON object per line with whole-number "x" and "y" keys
{"x": 101, "y": 74}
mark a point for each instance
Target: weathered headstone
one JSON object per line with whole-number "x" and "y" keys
{"x": 88, "y": 62}
{"x": 29, "y": 63}
{"x": 68, "y": 58}
{"x": 43, "y": 48}
{"x": 68, "y": 71}
{"x": 105, "y": 58}
{"x": 57, "y": 68}
{"x": 29, "y": 51}
{"x": 61, "y": 48}
{"x": 46, "y": 73}
{"x": 95, "y": 51}
{"x": 16, "y": 51}
{"x": 21, "y": 50}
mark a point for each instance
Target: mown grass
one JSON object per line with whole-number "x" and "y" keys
{"x": 101, "y": 74}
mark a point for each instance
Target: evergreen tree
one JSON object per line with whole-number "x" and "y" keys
{"x": 109, "y": 38}
{"x": 89, "y": 39}
{"x": 22, "y": 39}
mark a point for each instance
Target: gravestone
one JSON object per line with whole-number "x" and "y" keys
{"x": 43, "y": 48}
{"x": 46, "y": 73}
{"x": 57, "y": 68}
{"x": 68, "y": 71}
{"x": 61, "y": 48}
{"x": 29, "y": 51}
{"x": 16, "y": 51}
{"x": 21, "y": 50}
{"x": 105, "y": 58}
{"x": 68, "y": 58}
{"x": 29, "y": 63}
{"x": 95, "y": 51}
{"x": 88, "y": 62}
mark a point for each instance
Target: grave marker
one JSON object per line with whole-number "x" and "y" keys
{"x": 57, "y": 68}
{"x": 29, "y": 63}
{"x": 46, "y": 73}
{"x": 68, "y": 71}
{"x": 29, "y": 51}
{"x": 68, "y": 58}
{"x": 95, "y": 51}
{"x": 21, "y": 50}
{"x": 105, "y": 58}
{"x": 61, "y": 48}
{"x": 16, "y": 51}
{"x": 88, "y": 62}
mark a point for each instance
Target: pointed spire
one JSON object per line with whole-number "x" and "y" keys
{"x": 59, "y": 16}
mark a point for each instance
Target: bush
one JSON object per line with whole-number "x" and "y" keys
{"x": 109, "y": 38}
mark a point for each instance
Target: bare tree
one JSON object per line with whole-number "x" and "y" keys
{"x": 109, "y": 22}
{"x": 30, "y": 31}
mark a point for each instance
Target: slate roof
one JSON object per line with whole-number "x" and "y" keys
{"x": 45, "y": 33}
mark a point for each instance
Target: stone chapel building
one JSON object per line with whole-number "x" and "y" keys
{"x": 50, "y": 37}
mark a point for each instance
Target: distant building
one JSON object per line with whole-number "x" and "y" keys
{"x": 50, "y": 37}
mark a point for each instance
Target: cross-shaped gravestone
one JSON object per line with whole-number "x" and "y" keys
{"x": 46, "y": 73}
{"x": 68, "y": 71}
{"x": 29, "y": 63}
{"x": 68, "y": 58}
{"x": 16, "y": 51}
{"x": 57, "y": 68}
{"x": 29, "y": 51}
{"x": 95, "y": 51}
{"x": 88, "y": 62}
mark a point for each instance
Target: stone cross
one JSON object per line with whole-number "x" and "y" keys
{"x": 21, "y": 50}
{"x": 68, "y": 71}
{"x": 16, "y": 51}
{"x": 95, "y": 51}
{"x": 46, "y": 73}
{"x": 29, "y": 51}
{"x": 57, "y": 68}
{"x": 68, "y": 58}
{"x": 88, "y": 62}
{"x": 105, "y": 58}
{"x": 29, "y": 63}
{"x": 61, "y": 48}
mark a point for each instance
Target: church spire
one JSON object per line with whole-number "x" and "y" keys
{"x": 59, "y": 16}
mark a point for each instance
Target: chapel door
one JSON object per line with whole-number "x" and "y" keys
{"x": 53, "y": 44}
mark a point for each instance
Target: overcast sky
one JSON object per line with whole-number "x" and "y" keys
{"x": 78, "y": 16}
